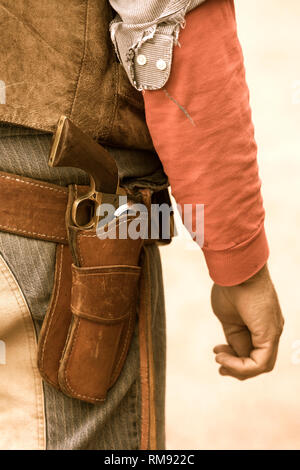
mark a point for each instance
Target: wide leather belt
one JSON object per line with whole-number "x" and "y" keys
{"x": 33, "y": 208}
{"x": 37, "y": 209}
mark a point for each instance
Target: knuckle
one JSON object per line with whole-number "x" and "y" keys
{"x": 277, "y": 334}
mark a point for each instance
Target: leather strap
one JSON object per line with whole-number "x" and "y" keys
{"x": 33, "y": 208}
{"x": 37, "y": 209}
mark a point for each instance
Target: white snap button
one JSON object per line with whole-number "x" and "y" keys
{"x": 161, "y": 64}
{"x": 141, "y": 59}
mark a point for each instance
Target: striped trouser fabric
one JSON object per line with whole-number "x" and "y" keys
{"x": 33, "y": 415}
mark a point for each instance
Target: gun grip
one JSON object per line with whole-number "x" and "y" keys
{"x": 72, "y": 147}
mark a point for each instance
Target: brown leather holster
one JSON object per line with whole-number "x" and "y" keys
{"x": 90, "y": 320}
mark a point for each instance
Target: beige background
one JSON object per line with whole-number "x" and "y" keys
{"x": 204, "y": 410}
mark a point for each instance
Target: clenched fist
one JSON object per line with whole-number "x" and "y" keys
{"x": 252, "y": 322}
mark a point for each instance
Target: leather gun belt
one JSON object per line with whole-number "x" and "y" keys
{"x": 33, "y": 208}
{"x": 36, "y": 209}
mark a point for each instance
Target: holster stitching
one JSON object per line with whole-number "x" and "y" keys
{"x": 16, "y": 229}
{"x": 33, "y": 184}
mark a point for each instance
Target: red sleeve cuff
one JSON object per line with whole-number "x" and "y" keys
{"x": 236, "y": 265}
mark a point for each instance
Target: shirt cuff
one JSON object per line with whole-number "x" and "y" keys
{"x": 145, "y": 49}
{"x": 236, "y": 265}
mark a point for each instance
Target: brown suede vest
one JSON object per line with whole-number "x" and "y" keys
{"x": 57, "y": 58}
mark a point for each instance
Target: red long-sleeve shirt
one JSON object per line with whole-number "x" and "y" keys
{"x": 201, "y": 127}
